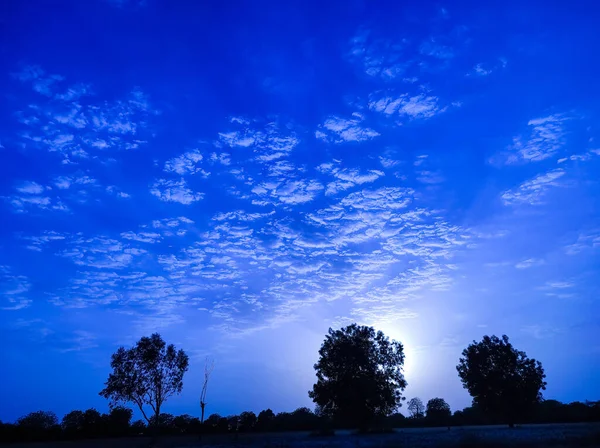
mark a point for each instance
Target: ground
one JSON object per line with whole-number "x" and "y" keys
{"x": 529, "y": 436}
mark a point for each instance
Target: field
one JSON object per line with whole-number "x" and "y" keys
{"x": 566, "y": 435}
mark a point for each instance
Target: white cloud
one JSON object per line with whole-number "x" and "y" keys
{"x": 546, "y": 139}
{"x": 347, "y": 178}
{"x": 174, "y": 191}
{"x": 186, "y": 163}
{"x": 533, "y": 191}
{"x": 66, "y": 182}
{"x": 480, "y": 70}
{"x": 530, "y": 263}
{"x": 339, "y": 130}
{"x": 13, "y": 290}
{"x": 74, "y": 129}
{"x": 142, "y": 237}
{"x": 98, "y": 252}
{"x": 380, "y": 58}
{"x": 30, "y": 188}
{"x": 416, "y": 106}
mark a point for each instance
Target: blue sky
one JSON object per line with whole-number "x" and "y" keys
{"x": 241, "y": 176}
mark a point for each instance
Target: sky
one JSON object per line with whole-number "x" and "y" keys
{"x": 241, "y": 176}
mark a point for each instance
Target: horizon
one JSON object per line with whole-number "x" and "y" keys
{"x": 240, "y": 178}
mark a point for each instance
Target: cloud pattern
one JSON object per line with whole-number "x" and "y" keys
{"x": 260, "y": 221}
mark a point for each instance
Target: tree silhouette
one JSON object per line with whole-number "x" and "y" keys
{"x": 438, "y": 411}
{"x": 138, "y": 427}
{"x": 501, "y": 379}
{"x": 416, "y": 407}
{"x": 265, "y": 420}
{"x": 247, "y": 421}
{"x": 146, "y": 374}
{"x": 118, "y": 420}
{"x": 209, "y": 365}
{"x": 359, "y": 375}
{"x": 39, "y": 420}
{"x": 73, "y": 423}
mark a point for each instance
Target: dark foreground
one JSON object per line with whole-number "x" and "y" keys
{"x": 526, "y": 436}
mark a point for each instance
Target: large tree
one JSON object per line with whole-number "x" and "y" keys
{"x": 146, "y": 374}
{"x": 438, "y": 411}
{"x": 359, "y": 375}
{"x": 501, "y": 379}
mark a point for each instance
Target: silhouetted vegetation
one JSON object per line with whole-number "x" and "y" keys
{"x": 416, "y": 408}
{"x": 359, "y": 386}
{"x": 359, "y": 376}
{"x": 146, "y": 374}
{"x": 502, "y": 380}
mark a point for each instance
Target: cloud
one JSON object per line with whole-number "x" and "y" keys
{"x": 433, "y": 48}
{"x": 586, "y": 240}
{"x": 529, "y": 263}
{"x": 540, "y": 331}
{"x": 174, "y": 191}
{"x": 38, "y": 243}
{"x": 340, "y": 130}
{"x": 142, "y": 237}
{"x": 30, "y": 188}
{"x": 66, "y": 182}
{"x": 114, "y": 190}
{"x": 480, "y": 70}
{"x": 416, "y": 106}
{"x": 379, "y": 58}
{"x": 41, "y": 82}
{"x": 34, "y": 196}
{"x": 98, "y": 252}
{"x": 533, "y": 191}
{"x": 186, "y": 163}
{"x": 60, "y": 122}
{"x": 13, "y": 290}
{"x": 290, "y": 192}
{"x": 546, "y": 139}
{"x": 80, "y": 340}
{"x": 347, "y": 178}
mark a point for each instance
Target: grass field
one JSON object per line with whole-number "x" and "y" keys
{"x": 555, "y": 435}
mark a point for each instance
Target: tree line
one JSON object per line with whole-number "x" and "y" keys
{"x": 90, "y": 424}
{"x": 359, "y": 385}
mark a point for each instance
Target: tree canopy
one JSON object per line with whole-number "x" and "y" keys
{"x": 438, "y": 411}
{"x": 501, "y": 379}
{"x": 359, "y": 375}
{"x": 146, "y": 374}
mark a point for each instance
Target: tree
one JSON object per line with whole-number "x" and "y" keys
{"x": 92, "y": 423}
{"x": 233, "y": 423}
{"x": 40, "y": 425}
{"x": 502, "y": 380}
{"x": 247, "y": 421}
{"x": 146, "y": 374}
{"x": 359, "y": 375}
{"x": 72, "y": 423}
{"x": 416, "y": 407}
{"x": 138, "y": 427}
{"x": 209, "y": 365}
{"x": 118, "y": 420}
{"x": 438, "y": 411}
{"x": 38, "y": 421}
{"x": 265, "y": 420}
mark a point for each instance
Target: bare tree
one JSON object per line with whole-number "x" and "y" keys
{"x": 416, "y": 407}
{"x": 209, "y": 365}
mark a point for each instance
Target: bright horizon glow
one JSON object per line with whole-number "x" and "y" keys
{"x": 240, "y": 179}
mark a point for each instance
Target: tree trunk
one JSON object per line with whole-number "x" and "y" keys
{"x": 202, "y": 405}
